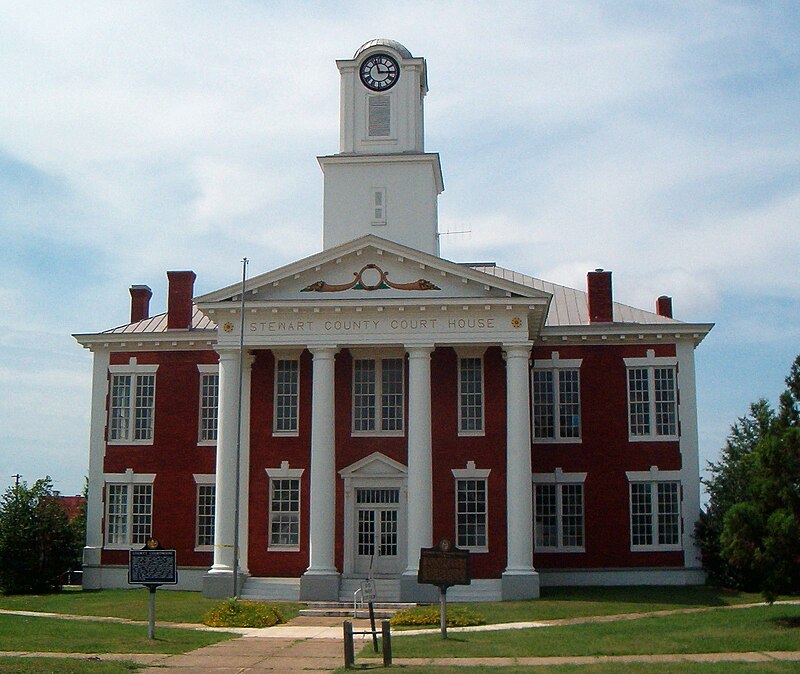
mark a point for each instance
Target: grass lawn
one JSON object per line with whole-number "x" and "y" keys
{"x": 171, "y": 605}
{"x": 63, "y": 666}
{"x": 612, "y": 668}
{"x": 770, "y": 628}
{"x": 20, "y": 633}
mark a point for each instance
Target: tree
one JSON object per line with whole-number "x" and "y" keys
{"x": 750, "y": 534}
{"x": 37, "y": 542}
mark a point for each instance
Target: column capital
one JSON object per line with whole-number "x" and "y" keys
{"x": 419, "y": 350}
{"x": 323, "y": 351}
{"x": 517, "y": 350}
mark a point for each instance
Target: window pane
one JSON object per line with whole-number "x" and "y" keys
{"x": 287, "y": 377}
{"x": 572, "y": 515}
{"x": 543, "y": 404}
{"x": 471, "y": 394}
{"x": 364, "y": 395}
{"x": 209, "y": 399}
{"x": 668, "y": 513}
{"x": 641, "y": 513}
{"x": 569, "y": 404}
{"x": 142, "y": 515}
{"x": 392, "y": 394}
{"x": 545, "y": 516}
{"x": 639, "y": 401}
{"x": 471, "y": 513}
{"x": 117, "y": 514}
{"x": 145, "y": 399}
{"x": 285, "y": 511}
{"x": 664, "y": 381}
{"x": 205, "y": 514}
{"x": 119, "y": 426}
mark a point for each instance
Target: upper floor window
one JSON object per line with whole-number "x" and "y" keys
{"x": 655, "y": 510}
{"x": 129, "y": 509}
{"x": 559, "y": 511}
{"x": 287, "y": 395}
{"x": 556, "y": 399}
{"x": 378, "y": 395}
{"x": 470, "y": 395}
{"x": 209, "y": 403}
{"x": 284, "y": 507}
{"x": 472, "y": 508}
{"x": 652, "y": 397}
{"x": 206, "y": 501}
{"x": 132, "y": 403}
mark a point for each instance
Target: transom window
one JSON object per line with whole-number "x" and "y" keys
{"x": 209, "y": 403}
{"x": 655, "y": 509}
{"x": 652, "y": 398}
{"x": 378, "y": 395}
{"x": 470, "y": 396}
{"x": 132, "y": 403}
{"x": 287, "y": 395}
{"x": 556, "y": 400}
{"x": 129, "y": 509}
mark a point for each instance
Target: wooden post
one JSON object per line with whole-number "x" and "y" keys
{"x": 387, "y": 643}
{"x": 349, "y": 649}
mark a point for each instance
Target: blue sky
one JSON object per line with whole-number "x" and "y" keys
{"x": 660, "y": 140}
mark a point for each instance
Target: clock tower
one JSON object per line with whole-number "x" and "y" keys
{"x": 382, "y": 181}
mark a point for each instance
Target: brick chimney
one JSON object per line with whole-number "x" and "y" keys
{"x": 664, "y": 306}
{"x": 179, "y": 302}
{"x": 140, "y": 303}
{"x": 601, "y": 309}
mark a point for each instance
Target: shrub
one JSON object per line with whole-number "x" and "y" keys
{"x": 429, "y": 615}
{"x": 236, "y": 613}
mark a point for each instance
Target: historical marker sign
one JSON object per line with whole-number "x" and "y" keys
{"x": 444, "y": 566}
{"x": 152, "y": 567}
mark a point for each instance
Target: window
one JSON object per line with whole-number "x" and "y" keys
{"x": 652, "y": 397}
{"x": 379, "y": 206}
{"x": 206, "y": 499}
{"x": 209, "y": 402}
{"x": 378, "y": 395}
{"x": 559, "y": 511}
{"x": 655, "y": 507}
{"x": 472, "y": 508}
{"x": 284, "y": 507}
{"x": 556, "y": 400}
{"x": 287, "y": 395}
{"x": 470, "y": 396}
{"x": 379, "y": 116}
{"x": 129, "y": 509}
{"x": 132, "y": 404}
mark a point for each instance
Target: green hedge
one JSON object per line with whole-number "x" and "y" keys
{"x": 429, "y": 615}
{"x": 235, "y": 613}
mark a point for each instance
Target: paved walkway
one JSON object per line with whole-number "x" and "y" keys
{"x": 312, "y": 645}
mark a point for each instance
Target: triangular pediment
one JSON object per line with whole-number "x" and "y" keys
{"x": 374, "y": 465}
{"x": 373, "y": 269}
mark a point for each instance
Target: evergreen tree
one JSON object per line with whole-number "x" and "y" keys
{"x": 37, "y": 542}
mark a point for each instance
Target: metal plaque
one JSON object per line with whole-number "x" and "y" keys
{"x": 152, "y": 567}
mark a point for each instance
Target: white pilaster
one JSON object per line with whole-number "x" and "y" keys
{"x": 322, "y": 522}
{"x": 97, "y": 446}
{"x": 420, "y": 461}
{"x": 519, "y": 578}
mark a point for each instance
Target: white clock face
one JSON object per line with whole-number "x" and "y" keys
{"x": 379, "y": 72}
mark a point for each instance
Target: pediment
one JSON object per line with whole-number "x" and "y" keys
{"x": 374, "y": 465}
{"x": 373, "y": 269}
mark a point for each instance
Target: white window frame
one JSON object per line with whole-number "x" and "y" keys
{"x": 654, "y": 477}
{"x": 284, "y": 473}
{"x": 471, "y": 473}
{"x": 286, "y": 356}
{"x": 557, "y": 365}
{"x": 652, "y": 363}
{"x": 203, "y": 480}
{"x": 560, "y": 479}
{"x": 134, "y": 371}
{"x": 207, "y": 371}
{"x": 463, "y": 354}
{"x": 378, "y": 209}
{"x": 128, "y": 480}
{"x": 386, "y": 354}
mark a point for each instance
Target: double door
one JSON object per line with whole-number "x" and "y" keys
{"x": 378, "y": 535}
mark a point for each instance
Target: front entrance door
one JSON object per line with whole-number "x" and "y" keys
{"x": 377, "y": 536}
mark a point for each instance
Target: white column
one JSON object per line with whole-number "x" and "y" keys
{"x": 244, "y": 465}
{"x": 420, "y": 463}
{"x": 322, "y": 523}
{"x": 225, "y": 497}
{"x": 519, "y": 488}
{"x": 97, "y": 446}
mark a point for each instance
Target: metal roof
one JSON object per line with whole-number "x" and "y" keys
{"x": 158, "y": 323}
{"x": 382, "y": 42}
{"x": 570, "y": 306}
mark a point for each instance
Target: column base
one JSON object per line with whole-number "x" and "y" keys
{"x": 412, "y": 591}
{"x": 219, "y": 585}
{"x": 520, "y": 585}
{"x": 319, "y": 587}
{"x": 92, "y": 570}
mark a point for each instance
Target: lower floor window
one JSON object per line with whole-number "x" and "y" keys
{"x": 129, "y": 514}
{"x": 471, "y": 513}
{"x": 284, "y": 513}
{"x": 655, "y": 514}
{"x": 206, "y": 496}
{"x": 558, "y": 517}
